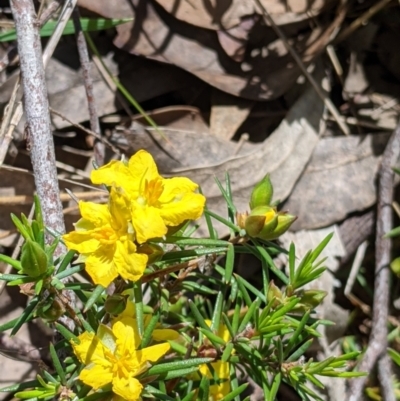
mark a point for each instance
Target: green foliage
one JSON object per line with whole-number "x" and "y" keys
{"x": 223, "y": 323}
{"x": 88, "y": 25}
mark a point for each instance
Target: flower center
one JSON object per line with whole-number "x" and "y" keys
{"x": 151, "y": 192}
{"x": 106, "y": 235}
{"x": 122, "y": 365}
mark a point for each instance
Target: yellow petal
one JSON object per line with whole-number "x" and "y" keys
{"x": 126, "y": 335}
{"x": 96, "y": 213}
{"x": 120, "y": 209}
{"x": 189, "y": 207}
{"x": 129, "y": 389}
{"x": 129, "y": 264}
{"x": 115, "y": 173}
{"x": 101, "y": 267}
{"x": 176, "y": 186}
{"x": 153, "y": 353}
{"x": 84, "y": 225}
{"x": 165, "y": 335}
{"x": 96, "y": 376}
{"x": 223, "y": 332}
{"x": 90, "y": 350}
{"x": 147, "y": 223}
{"x": 81, "y": 241}
{"x": 222, "y": 369}
{"x": 124, "y": 327}
{"x": 142, "y": 167}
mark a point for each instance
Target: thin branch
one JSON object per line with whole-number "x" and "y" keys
{"x": 99, "y": 151}
{"x": 378, "y": 340}
{"x": 385, "y": 375}
{"x": 89, "y": 132}
{"x": 362, "y": 20}
{"x": 49, "y": 11}
{"x": 36, "y": 105}
{"x": 328, "y": 103}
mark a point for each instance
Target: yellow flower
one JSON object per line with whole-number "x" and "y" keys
{"x": 111, "y": 357}
{"x": 221, "y": 369}
{"x": 159, "y": 334}
{"x": 105, "y": 241}
{"x": 157, "y": 202}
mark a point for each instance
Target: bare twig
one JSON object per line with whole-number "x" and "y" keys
{"x": 5, "y": 132}
{"x": 385, "y": 375}
{"x": 89, "y": 132}
{"x": 328, "y": 103}
{"x": 36, "y": 105}
{"x": 378, "y": 339}
{"x": 99, "y": 151}
{"x": 49, "y": 11}
{"x": 362, "y": 20}
{"x": 28, "y": 200}
{"x": 112, "y": 85}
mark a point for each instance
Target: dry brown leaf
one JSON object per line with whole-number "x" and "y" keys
{"x": 227, "y": 114}
{"x": 339, "y": 179}
{"x": 202, "y": 156}
{"x": 217, "y": 14}
{"x": 266, "y": 72}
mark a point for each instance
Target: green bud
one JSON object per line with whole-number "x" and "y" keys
{"x": 274, "y": 293}
{"x": 262, "y": 193}
{"x": 153, "y": 251}
{"x": 310, "y": 299}
{"x": 395, "y": 266}
{"x": 33, "y": 259}
{"x": 261, "y": 221}
{"x": 115, "y": 304}
{"x": 284, "y": 223}
{"x": 51, "y": 311}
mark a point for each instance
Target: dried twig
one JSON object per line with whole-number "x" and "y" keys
{"x": 51, "y": 44}
{"x": 378, "y": 339}
{"x": 28, "y": 200}
{"x": 328, "y": 103}
{"x": 89, "y": 132}
{"x": 36, "y": 105}
{"x": 362, "y": 20}
{"x": 5, "y": 131}
{"x": 98, "y": 148}
{"x": 49, "y": 11}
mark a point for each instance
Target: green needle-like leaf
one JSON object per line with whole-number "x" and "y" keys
{"x": 88, "y": 25}
{"x": 57, "y": 364}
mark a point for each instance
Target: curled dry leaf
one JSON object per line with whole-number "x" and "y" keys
{"x": 265, "y": 71}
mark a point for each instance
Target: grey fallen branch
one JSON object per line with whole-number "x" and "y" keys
{"x": 377, "y": 345}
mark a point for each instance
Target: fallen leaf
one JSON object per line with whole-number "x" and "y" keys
{"x": 340, "y": 179}
{"x": 266, "y": 72}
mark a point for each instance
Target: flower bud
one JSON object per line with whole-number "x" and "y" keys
{"x": 262, "y": 221}
{"x": 51, "y": 311}
{"x": 241, "y": 219}
{"x": 274, "y": 293}
{"x": 153, "y": 251}
{"x": 262, "y": 193}
{"x": 33, "y": 259}
{"x": 115, "y": 304}
{"x": 395, "y": 266}
{"x": 311, "y": 299}
{"x": 284, "y": 223}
